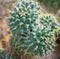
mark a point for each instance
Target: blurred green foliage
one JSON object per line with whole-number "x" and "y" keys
{"x": 52, "y": 4}
{"x": 6, "y": 56}
{"x": 58, "y": 16}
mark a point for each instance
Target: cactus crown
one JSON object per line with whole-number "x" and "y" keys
{"x": 24, "y": 13}
{"x": 28, "y": 37}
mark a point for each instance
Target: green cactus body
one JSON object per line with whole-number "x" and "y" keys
{"x": 57, "y": 35}
{"x": 4, "y": 56}
{"x": 57, "y": 32}
{"x": 49, "y": 22}
{"x": 27, "y": 36}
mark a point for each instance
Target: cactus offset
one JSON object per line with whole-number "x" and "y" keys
{"x": 49, "y": 21}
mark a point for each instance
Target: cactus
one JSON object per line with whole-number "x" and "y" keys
{"x": 6, "y": 56}
{"x": 57, "y": 35}
{"x": 49, "y": 21}
{"x": 28, "y": 37}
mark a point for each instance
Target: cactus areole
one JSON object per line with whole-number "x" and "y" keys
{"x": 28, "y": 37}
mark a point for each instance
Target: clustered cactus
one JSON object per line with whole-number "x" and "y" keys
{"x": 28, "y": 37}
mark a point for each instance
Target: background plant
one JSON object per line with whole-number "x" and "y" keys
{"x": 51, "y": 4}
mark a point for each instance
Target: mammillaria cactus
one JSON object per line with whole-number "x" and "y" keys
{"x": 57, "y": 35}
{"x": 49, "y": 21}
{"x": 24, "y": 17}
{"x": 4, "y": 56}
{"x": 27, "y": 36}
{"x": 1, "y": 52}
